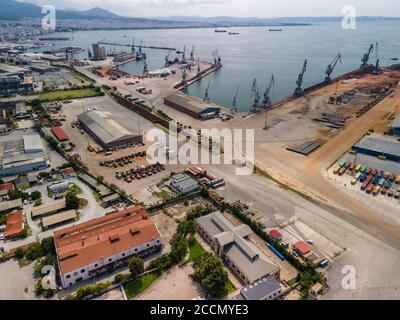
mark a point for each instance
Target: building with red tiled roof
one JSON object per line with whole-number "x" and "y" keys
{"x": 90, "y": 248}
{"x": 275, "y": 234}
{"x": 5, "y": 187}
{"x": 15, "y": 224}
{"x": 68, "y": 172}
{"x": 301, "y": 248}
{"x": 60, "y": 134}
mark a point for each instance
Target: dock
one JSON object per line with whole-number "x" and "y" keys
{"x": 136, "y": 46}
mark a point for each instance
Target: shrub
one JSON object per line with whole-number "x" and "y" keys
{"x": 122, "y": 278}
{"x": 136, "y": 266}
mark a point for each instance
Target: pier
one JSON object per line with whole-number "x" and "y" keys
{"x": 136, "y": 46}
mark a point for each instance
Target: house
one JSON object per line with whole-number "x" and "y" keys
{"x": 15, "y": 224}
{"x": 233, "y": 245}
{"x": 182, "y": 183}
{"x": 68, "y": 173}
{"x": 99, "y": 245}
{"x": 5, "y": 188}
{"x": 276, "y": 235}
{"x": 316, "y": 289}
{"x": 301, "y": 248}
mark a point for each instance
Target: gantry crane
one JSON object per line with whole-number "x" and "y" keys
{"x": 198, "y": 66}
{"x": 298, "y": 91}
{"x": 332, "y": 66}
{"x": 184, "y": 55}
{"x": 145, "y": 69}
{"x": 234, "y": 108}
{"x": 206, "y": 97}
{"x": 184, "y": 80}
{"x": 366, "y": 56}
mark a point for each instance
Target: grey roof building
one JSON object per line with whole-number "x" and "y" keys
{"x": 233, "y": 245}
{"x": 267, "y": 288}
{"x": 192, "y": 106}
{"x": 22, "y": 155}
{"x": 182, "y": 183}
{"x": 106, "y": 131}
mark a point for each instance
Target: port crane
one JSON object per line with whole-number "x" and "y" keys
{"x": 234, "y": 108}
{"x": 376, "y": 69}
{"x": 332, "y": 66}
{"x": 145, "y": 69}
{"x": 267, "y": 99}
{"x": 366, "y": 56}
{"x": 167, "y": 60}
{"x": 256, "y": 102}
{"x": 198, "y": 66}
{"x": 192, "y": 54}
{"x": 184, "y": 81}
{"x": 298, "y": 91}
{"x": 206, "y": 97}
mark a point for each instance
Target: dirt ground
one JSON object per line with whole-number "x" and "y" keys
{"x": 175, "y": 284}
{"x": 115, "y": 294}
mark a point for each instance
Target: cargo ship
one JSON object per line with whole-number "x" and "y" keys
{"x": 218, "y": 31}
{"x": 233, "y": 33}
{"x": 272, "y": 30}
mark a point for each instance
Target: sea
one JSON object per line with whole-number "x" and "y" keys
{"x": 255, "y": 53}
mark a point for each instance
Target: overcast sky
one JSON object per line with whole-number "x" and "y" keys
{"x": 254, "y": 8}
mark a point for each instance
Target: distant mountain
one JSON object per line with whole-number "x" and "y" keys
{"x": 255, "y": 20}
{"x": 10, "y": 9}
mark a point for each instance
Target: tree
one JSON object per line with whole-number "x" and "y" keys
{"x": 178, "y": 250}
{"x": 210, "y": 273}
{"x": 16, "y": 194}
{"x": 35, "y": 195}
{"x": 136, "y": 266}
{"x": 72, "y": 201}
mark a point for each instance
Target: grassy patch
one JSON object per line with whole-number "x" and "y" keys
{"x": 230, "y": 287}
{"x": 96, "y": 196}
{"x": 73, "y": 188}
{"x": 195, "y": 250}
{"x": 165, "y": 195}
{"x": 83, "y": 203}
{"x": 292, "y": 282}
{"x": 69, "y": 94}
{"x": 136, "y": 287}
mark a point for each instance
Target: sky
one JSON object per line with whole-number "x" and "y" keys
{"x": 238, "y": 8}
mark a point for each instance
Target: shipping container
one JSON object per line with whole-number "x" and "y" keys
{"x": 376, "y": 190}
{"x": 392, "y": 177}
{"x": 363, "y": 177}
{"x": 336, "y": 170}
{"x": 364, "y": 185}
{"x": 363, "y": 169}
{"x": 386, "y": 175}
{"x": 368, "y": 171}
{"x": 369, "y": 188}
{"x": 342, "y": 163}
{"x": 352, "y": 167}
{"x": 374, "y": 172}
{"x": 348, "y": 164}
{"x": 358, "y": 167}
{"x": 384, "y": 190}
{"x": 380, "y": 174}
{"x": 397, "y": 195}
{"x": 358, "y": 176}
{"x": 381, "y": 181}
{"x": 342, "y": 171}
{"x": 398, "y": 180}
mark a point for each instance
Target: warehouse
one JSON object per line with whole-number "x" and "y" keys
{"x": 379, "y": 146}
{"x": 58, "y": 218}
{"x": 182, "y": 183}
{"x": 91, "y": 248}
{"x": 267, "y": 288}
{"x": 60, "y": 134}
{"x": 14, "y": 70}
{"x": 13, "y": 84}
{"x": 7, "y": 206}
{"x": 232, "y": 244}
{"x": 192, "y": 106}
{"x": 48, "y": 208}
{"x": 394, "y": 126}
{"x": 22, "y": 155}
{"x": 107, "y": 132}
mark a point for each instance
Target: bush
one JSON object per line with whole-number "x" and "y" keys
{"x": 36, "y": 195}
{"x": 34, "y": 251}
{"x": 19, "y": 253}
{"x": 162, "y": 263}
{"x": 122, "y": 278}
{"x": 92, "y": 289}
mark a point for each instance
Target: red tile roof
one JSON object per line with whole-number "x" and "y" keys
{"x": 302, "y": 247}
{"x": 88, "y": 242}
{"x": 68, "y": 170}
{"x": 7, "y": 186}
{"x": 15, "y": 223}
{"x": 275, "y": 234}
{"x": 60, "y": 134}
